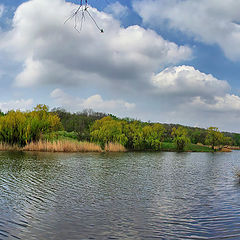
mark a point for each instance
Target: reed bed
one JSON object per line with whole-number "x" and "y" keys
{"x": 114, "y": 147}
{"x": 63, "y": 146}
{"x": 7, "y": 147}
{"x": 225, "y": 149}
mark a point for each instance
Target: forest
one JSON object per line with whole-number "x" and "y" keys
{"x": 41, "y": 124}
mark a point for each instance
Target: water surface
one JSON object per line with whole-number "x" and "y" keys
{"x": 119, "y": 196}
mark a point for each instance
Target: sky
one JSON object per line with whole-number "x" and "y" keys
{"x": 168, "y": 61}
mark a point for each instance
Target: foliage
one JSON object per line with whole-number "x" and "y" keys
{"x": 23, "y": 127}
{"x": 180, "y": 138}
{"x": 60, "y": 135}
{"x": 214, "y": 137}
{"x": 107, "y": 130}
{"x": 227, "y": 141}
{"x": 79, "y": 122}
{"x": 197, "y": 135}
{"x": 131, "y": 134}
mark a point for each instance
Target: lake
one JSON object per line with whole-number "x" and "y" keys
{"x": 143, "y": 195}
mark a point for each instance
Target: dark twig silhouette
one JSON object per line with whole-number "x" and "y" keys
{"x": 80, "y": 11}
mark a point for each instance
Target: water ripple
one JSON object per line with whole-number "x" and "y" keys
{"x": 119, "y": 196}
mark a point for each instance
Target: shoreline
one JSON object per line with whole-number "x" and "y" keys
{"x": 69, "y": 146}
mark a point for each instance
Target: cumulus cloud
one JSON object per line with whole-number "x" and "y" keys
{"x": 223, "y": 104}
{"x": 222, "y": 111}
{"x": 190, "y": 97}
{"x": 21, "y": 104}
{"x": 117, "y": 9}
{"x": 211, "y": 22}
{"x": 94, "y": 102}
{"x": 188, "y": 82}
{"x": 53, "y": 52}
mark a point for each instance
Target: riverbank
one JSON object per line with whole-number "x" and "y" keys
{"x": 76, "y": 146}
{"x": 171, "y": 147}
{"x": 64, "y": 146}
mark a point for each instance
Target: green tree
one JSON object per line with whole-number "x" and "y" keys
{"x": 197, "y": 135}
{"x": 23, "y": 127}
{"x": 180, "y": 138}
{"x": 153, "y": 136}
{"x": 108, "y": 130}
{"x": 131, "y": 134}
{"x": 227, "y": 141}
{"x": 214, "y": 137}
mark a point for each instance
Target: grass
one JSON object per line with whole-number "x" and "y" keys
{"x": 197, "y": 148}
{"x": 61, "y": 136}
{"x": 167, "y": 146}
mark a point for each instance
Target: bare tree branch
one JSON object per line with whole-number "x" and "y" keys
{"x": 81, "y": 11}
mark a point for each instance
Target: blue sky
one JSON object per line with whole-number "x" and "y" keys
{"x": 174, "y": 61}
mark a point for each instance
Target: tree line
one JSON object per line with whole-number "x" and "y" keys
{"x": 20, "y": 128}
{"x": 81, "y": 122}
{"x": 137, "y": 135}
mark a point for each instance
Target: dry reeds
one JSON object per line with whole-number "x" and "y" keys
{"x": 63, "y": 146}
{"x": 224, "y": 149}
{"x": 7, "y": 147}
{"x": 114, "y": 147}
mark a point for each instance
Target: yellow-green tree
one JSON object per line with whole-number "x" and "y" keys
{"x": 108, "y": 130}
{"x": 214, "y": 137}
{"x": 180, "y": 138}
{"x": 132, "y": 135}
{"x": 23, "y": 127}
{"x": 13, "y": 127}
{"x": 153, "y": 136}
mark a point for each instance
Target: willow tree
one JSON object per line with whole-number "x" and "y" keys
{"x": 214, "y": 137}
{"x": 180, "y": 138}
{"x": 23, "y": 127}
{"x": 107, "y": 130}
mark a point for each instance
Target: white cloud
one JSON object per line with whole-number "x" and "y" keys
{"x": 227, "y": 103}
{"x": 54, "y": 52}
{"x": 222, "y": 111}
{"x": 94, "y": 102}
{"x": 117, "y": 9}
{"x": 21, "y": 104}
{"x": 211, "y": 22}
{"x": 187, "y": 96}
{"x": 188, "y": 82}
